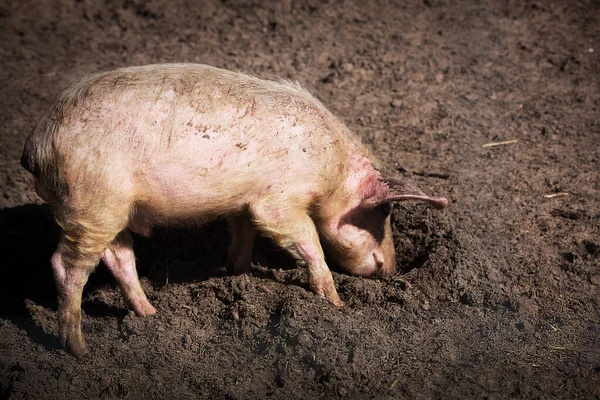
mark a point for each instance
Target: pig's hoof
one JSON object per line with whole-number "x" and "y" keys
{"x": 336, "y": 301}
{"x": 149, "y": 310}
{"x": 79, "y": 351}
{"x": 71, "y": 337}
{"x": 77, "y": 347}
{"x": 143, "y": 308}
{"x": 332, "y": 297}
{"x": 326, "y": 289}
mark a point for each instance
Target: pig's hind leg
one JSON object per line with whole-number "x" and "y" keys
{"x": 86, "y": 233}
{"x": 239, "y": 254}
{"x": 294, "y": 230}
{"x": 70, "y": 280}
{"x": 120, "y": 260}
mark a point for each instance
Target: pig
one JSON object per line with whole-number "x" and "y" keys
{"x": 126, "y": 150}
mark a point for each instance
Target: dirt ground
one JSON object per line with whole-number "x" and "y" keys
{"x": 498, "y": 296}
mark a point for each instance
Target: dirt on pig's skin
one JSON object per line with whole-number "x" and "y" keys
{"x": 497, "y": 296}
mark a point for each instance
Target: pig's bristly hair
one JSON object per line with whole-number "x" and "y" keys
{"x": 248, "y": 93}
{"x": 214, "y": 88}
{"x": 193, "y": 79}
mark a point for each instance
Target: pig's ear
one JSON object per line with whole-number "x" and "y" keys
{"x": 392, "y": 189}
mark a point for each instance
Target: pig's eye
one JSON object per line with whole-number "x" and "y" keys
{"x": 385, "y": 209}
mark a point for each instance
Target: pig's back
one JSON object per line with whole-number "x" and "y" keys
{"x": 181, "y": 133}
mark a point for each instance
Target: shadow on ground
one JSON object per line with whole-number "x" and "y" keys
{"x": 29, "y": 235}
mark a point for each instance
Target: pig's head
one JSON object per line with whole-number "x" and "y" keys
{"x": 359, "y": 239}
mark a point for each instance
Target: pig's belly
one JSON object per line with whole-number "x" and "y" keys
{"x": 199, "y": 186}
{"x": 179, "y": 193}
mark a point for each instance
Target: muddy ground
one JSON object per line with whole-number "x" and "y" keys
{"x": 498, "y": 296}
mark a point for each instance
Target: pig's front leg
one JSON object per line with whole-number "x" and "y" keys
{"x": 120, "y": 260}
{"x": 319, "y": 275}
{"x": 243, "y": 234}
{"x": 295, "y": 231}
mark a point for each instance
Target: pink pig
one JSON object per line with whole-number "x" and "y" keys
{"x": 128, "y": 149}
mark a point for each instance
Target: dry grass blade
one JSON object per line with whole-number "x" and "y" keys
{"x": 494, "y": 144}
{"x": 553, "y": 195}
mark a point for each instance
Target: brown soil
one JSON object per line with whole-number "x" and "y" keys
{"x": 498, "y": 296}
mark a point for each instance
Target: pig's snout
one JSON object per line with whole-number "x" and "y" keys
{"x": 388, "y": 269}
{"x": 375, "y": 264}
{"x": 379, "y": 261}
{"x": 378, "y": 258}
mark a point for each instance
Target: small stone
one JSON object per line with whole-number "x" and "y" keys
{"x": 439, "y": 77}
{"x": 397, "y": 103}
{"x": 304, "y": 340}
